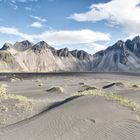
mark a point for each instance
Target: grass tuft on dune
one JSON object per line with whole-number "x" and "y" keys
{"x": 12, "y": 103}
{"x": 110, "y": 96}
{"x": 56, "y": 89}
{"x": 136, "y": 86}
{"x": 88, "y": 87}
{"x": 5, "y": 95}
{"x": 3, "y": 91}
{"x": 119, "y": 84}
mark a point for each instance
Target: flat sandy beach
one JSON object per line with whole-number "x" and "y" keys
{"x": 70, "y": 106}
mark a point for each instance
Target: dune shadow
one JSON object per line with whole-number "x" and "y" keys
{"x": 119, "y": 84}
{"x": 49, "y": 108}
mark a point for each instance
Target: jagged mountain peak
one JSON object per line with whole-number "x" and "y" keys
{"x": 41, "y": 57}
{"x": 25, "y": 42}
{"x": 122, "y": 56}
{"x": 119, "y": 44}
{"x": 136, "y": 39}
{"x": 22, "y": 46}
{"x": 6, "y": 46}
{"x": 80, "y": 54}
{"x": 63, "y": 52}
{"x": 42, "y": 45}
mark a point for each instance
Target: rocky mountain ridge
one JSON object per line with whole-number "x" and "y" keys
{"x": 41, "y": 57}
{"x": 122, "y": 56}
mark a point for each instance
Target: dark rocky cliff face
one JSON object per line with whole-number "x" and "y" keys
{"x": 63, "y": 52}
{"x": 22, "y": 46}
{"x": 80, "y": 54}
{"x": 40, "y": 46}
{"x": 122, "y": 56}
{"x": 6, "y": 46}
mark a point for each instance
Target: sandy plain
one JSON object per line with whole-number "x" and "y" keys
{"x": 70, "y": 106}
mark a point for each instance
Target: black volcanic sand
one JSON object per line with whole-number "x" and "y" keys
{"x": 55, "y": 114}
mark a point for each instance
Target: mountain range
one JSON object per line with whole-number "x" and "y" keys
{"x": 28, "y": 57}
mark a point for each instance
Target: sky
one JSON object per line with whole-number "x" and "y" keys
{"x": 90, "y": 25}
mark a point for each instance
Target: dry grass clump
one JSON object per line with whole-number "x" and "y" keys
{"x": 21, "y": 101}
{"x": 136, "y": 86}
{"x": 88, "y": 87}
{"x": 110, "y": 96}
{"x": 3, "y": 90}
{"x": 12, "y": 105}
{"x": 55, "y": 89}
{"x": 40, "y": 84}
{"x": 119, "y": 84}
{"x": 24, "y": 106}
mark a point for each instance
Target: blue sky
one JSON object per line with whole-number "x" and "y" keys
{"x": 91, "y": 25}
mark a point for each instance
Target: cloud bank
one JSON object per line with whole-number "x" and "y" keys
{"x": 84, "y": 37}
{"x": 117, "y": 12}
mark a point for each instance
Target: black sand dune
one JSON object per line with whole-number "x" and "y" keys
{"x": 66, "y": 117}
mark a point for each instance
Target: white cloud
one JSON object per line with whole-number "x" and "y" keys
{"x": 40, "y": 19}
{"x": 36, "y": 25}
{"x": 85, "y": 36}
{"x": 15, "y": 32}
{"x": 73, "y": 37}
{"x": 122, "y": 12}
